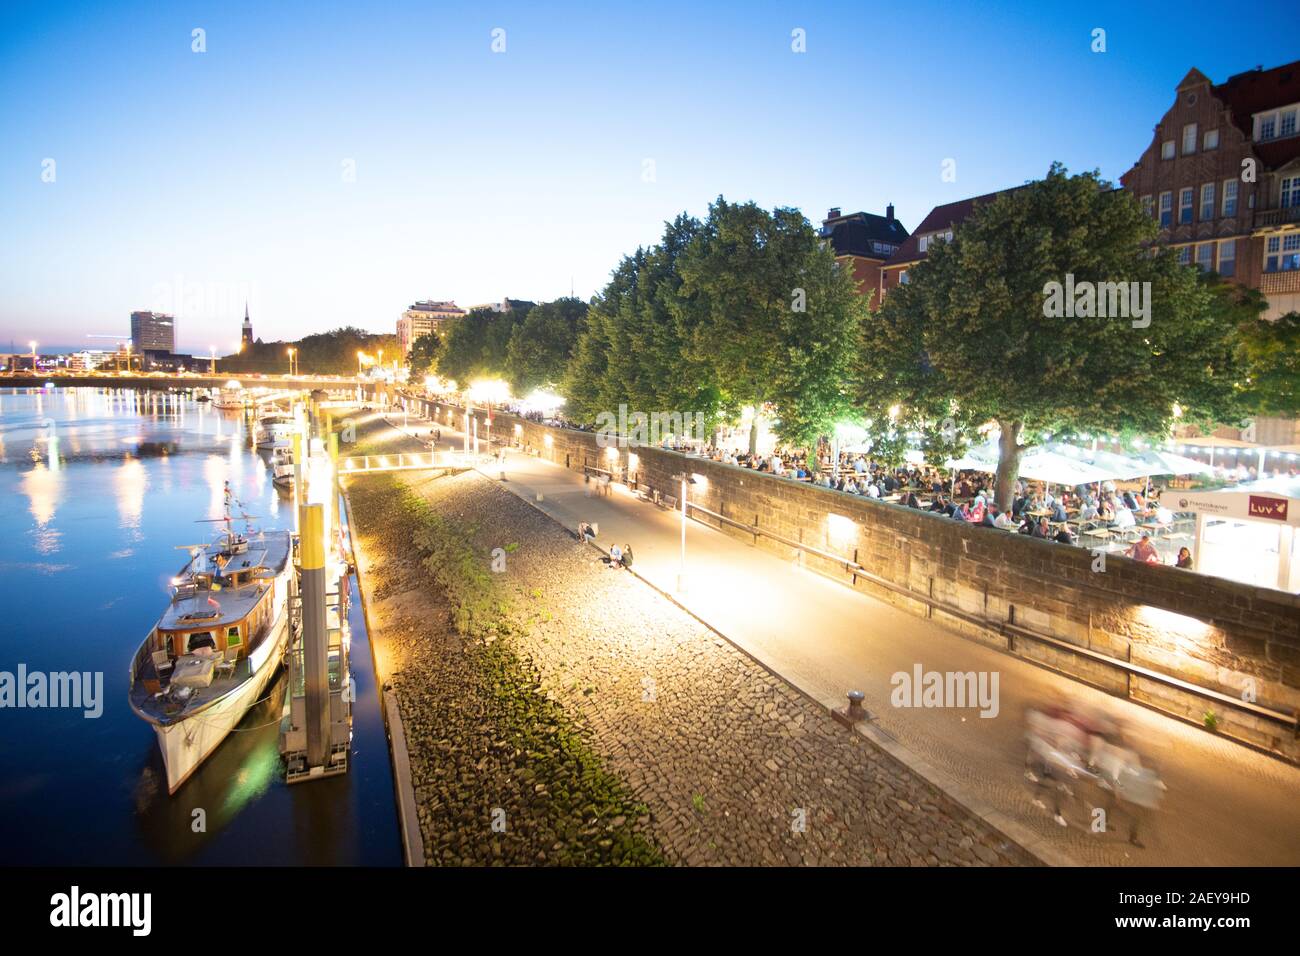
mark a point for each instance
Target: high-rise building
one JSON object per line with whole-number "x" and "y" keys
{"x": 425, "y": 318}
{"x": 153, "y": 330}
{"x": 247, "y": 336}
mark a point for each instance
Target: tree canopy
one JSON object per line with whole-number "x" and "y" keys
{"x": 424, "y": 352}
{"x": 1001, "y": 324}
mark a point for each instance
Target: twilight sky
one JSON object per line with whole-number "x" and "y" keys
{"x": 333, "y": 162}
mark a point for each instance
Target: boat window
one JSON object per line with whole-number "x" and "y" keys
{"x": 201, "y": 639}
{"x": 232, "y": 637}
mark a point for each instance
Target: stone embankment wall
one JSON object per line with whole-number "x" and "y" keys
{"x": 1202, "y": 648}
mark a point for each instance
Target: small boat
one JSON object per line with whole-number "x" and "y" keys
{"x": 230, "y": 395}
{"x": 216, "y": 647}
{"x": 274, "y": 432}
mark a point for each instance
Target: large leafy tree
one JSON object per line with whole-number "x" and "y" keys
{"x": 763, "y": 305}
{"x": 424, "y": 352}
{"x": 478, "y": 343}
{"x": 968, "y": 341}
{"x": 540, "y": 347}
{"x": 1270, "y": 353}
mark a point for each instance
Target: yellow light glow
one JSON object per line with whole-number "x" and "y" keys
{"x": 489, "y": 390}
{"x": 549, "y": 441}
{"x": 611, "y": 452}
{"x": 1173, "y": 622}
{"x": 841, "y": 527}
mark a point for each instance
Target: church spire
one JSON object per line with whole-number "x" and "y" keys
{"x": 247, "y": 337}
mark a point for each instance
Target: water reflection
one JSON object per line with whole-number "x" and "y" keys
{"x": 43, "y": 486}
{"x": 130, "y": 484}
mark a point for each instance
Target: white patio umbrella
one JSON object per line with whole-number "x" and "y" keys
{"x": 1167, "y": 463}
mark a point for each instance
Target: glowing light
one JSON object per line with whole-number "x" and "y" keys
{"x": 489, "y": 390}
{"x": 841, "y": 528}
{"x": 540, "y": 400}
{"x": 549, "y": 441}
{"x": 611, "y": 452}
{"x": 1173, "y": 622}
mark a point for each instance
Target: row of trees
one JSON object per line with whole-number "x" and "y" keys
{"x": 324, "y": 353}
{"x": 749, "y": 308}
{"x": 528, "y": 347}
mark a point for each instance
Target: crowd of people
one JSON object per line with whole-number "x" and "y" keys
{"x": 1036, "y": 511}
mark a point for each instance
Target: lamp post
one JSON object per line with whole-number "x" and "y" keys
{"x": 686, "y": 481}
{"x": 291, "y": 351}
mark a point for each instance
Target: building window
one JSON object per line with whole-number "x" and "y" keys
{"x": 1166, "y": 210}
{"x": 1290, "y": 192}
{"x": 1288, "y": 123}
{"x": 1148, "y": 208}
{"x": 232, "y": 637}
{"x": 902, "y": 277}
{"x": 1268, "y": 126}
{"x": 923, "y": 244}
{"x": 1283, "y": 253}
{"x": 1229, "y": 197}
{"x": 1184, "y": 255}
{"x": 1205, "y": 256}
{"x": 1228, "y": 258}
{"x": 1211, "y": 139}
{"x": 1207, "y": 202}
{"x": 1167, "y": 149}
{"x": 1189, "y": 139}
{"x": 1185, "y": 199}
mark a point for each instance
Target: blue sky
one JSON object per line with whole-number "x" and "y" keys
{"x": 188, "y": 180}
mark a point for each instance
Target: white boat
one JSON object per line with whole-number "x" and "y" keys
{"x": 230, "y": 395}
{"x": 214, "y": 651}
{"x": 274, "y": 431}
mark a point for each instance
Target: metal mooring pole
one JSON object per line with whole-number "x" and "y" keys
{"x": 315, "y": 639}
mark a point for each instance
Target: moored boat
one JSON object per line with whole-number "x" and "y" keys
{"x": 230, "y": 395}
{"x": 217, "y": 646}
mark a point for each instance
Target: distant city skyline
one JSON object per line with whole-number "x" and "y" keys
{"x": 333, "y": 164}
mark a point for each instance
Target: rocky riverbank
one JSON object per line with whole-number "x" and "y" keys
{"x": 609, "y": 725}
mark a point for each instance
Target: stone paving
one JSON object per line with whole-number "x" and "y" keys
{"x": 733, "y": 765}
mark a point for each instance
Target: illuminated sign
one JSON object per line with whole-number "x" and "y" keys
{"x": 1272, "y": 508}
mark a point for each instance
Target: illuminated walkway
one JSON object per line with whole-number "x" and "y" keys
{"x": 1226, "y": 804}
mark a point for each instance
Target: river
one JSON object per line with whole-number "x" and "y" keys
{"x": 102, "y": 487}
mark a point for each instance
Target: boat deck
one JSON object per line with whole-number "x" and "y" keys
{"x": 156, "y": 698}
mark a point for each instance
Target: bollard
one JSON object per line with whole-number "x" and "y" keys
{"x": 854, "y": 713}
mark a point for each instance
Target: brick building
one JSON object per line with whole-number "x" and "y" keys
{"x": 863, "y": 242}
{"x": 1222, "y": 177}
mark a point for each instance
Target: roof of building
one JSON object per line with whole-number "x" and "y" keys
{"x": 853, "y": 234}
{"x": 1255, "y": 91}
{"x": 940, "y": 219}
{"x": 428, "y": 305}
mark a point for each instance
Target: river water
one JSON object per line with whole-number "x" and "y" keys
{"x": 101, "y": 487}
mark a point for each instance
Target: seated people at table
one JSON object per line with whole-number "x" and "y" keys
{"x": 1129, "y": 501}
{"x": 936, "y": 487}
{"x": 1163, "y": 514}
{"x": 1088, "y": 510}
{"x": 1143, "y": 550}
{"x": 1064, "y": 536}
{"x": 872, "y": 491}
{"x": 976, "y": 513}
{"x": 1123, "y": 519}
{"x": 1058, "y": 512}
{"x": 1027, "y": 525}
{"x": 1004, "y": 520}
{"x": 961, "y": 512}
{"x": 1042, "y": 529}
{"x": 890, "y": 483}
{"x": 1184, "y": 558}
{"x": 939, "y": 505}
{"x": 988, "y": 521}
{"x": 1018, "y": 505}
{"x": 911, "y": 500}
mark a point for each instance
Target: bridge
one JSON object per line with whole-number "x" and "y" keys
{"x": 403, "y": 461}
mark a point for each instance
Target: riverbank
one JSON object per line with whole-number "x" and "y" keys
{"x": 688, "y": 749}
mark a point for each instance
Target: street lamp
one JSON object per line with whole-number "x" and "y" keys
{"x": 687, "y": 481}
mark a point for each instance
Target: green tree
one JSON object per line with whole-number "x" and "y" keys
{"x": 477, "y": 345}
{"x": 968, "y": 339}
{"x": 764, "y": 306}
{"x": 540, "y": 347}
{"x": 424, "y": 352}
{"x": 1270, "y": 353}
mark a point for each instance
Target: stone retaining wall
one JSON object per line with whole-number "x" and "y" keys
{"x": 1040, "y": 600}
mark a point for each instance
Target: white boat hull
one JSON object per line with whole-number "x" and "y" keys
{"x": 191, "y": 740}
